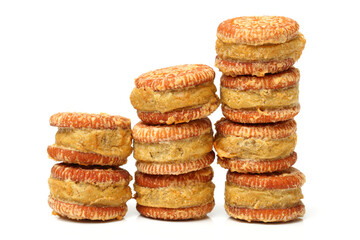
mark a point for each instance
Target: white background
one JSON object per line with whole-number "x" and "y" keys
{"x": 83, "y": 56}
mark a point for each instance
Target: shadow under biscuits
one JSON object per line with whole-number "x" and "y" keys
{"x": 231, "y": 219}
{"x": 204, "y": 219}
{"x": 86, "y": 221}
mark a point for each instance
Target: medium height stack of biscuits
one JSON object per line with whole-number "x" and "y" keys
{"x": 259, "y": 95}
{"x": 89, "y": 184}
{"x": 173, "y": 142}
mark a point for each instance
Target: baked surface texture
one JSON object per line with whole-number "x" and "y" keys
{"x": 89, "y": 120}
{"x": 267, "y": 197}
{"x": 175, "y": 197}
{"x": 93, "y": 192}
{"x": 175, "y": 94}
{"x": 91, "y": 139}
{"x": 173, "y": 149}
{"x": 255, "y": 148}
{"x": 258, "y": 30}
{"x": 258, "y": 45}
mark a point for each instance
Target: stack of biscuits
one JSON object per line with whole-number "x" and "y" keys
{"x": 173, "y": 142}
{"x": 260, "y": 97}
{"x": 88, "y": 183}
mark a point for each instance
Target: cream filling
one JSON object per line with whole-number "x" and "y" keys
{"x": 175, "y": 197}
{"x": 254, "y": 148}
{"x": 267, "y": 52}
{"x": 101, "y": 195}
{"x": 168, "y": 151}
{"x": 107, "y": 142}
{"x": 146, "y": 99}
{"x": 261, "y": 199}
{"x": 262, "y": 98}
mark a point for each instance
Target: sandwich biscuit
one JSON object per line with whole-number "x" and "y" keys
{"x": 269, "y": 197}
{"x": 255, "y": 148}
{"x": 175, "y": 94}
{"x": 91, "y": 139}
{"x": 89, "y": 192}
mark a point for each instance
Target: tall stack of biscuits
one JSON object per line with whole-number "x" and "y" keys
{"x": 89, "y": 184}
{"x": 260, "y": 97}
{"x": 173, "y": 142}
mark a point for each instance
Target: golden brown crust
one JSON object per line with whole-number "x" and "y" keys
{"x": 158, "y": 181}
{"x": 288, "y": 178}
{"x": 183, "y": 150}
{"x": 177, "y": 213}
{"x": 176, "y": 77}
{"x": 260, "y": 116}
{"x": 258, "y": 30}
{"x": 256, "y": 68}
{"x": 78, "y": 212}
{"x": 266, "y": 215}
{"x": 175, "y": 168}
{"x": 270, "y": 130}
{"x": 256, "y": 166}
{"x": 76, "y": 157}
{"x": 254, "y": 148}
{"x": 99, "y": 194}
{"x": 248, "y": 53}
{"x": 90, "y": 174}
{"x": 261, "y": 99}
{"x": 179, "y": 116}
{"x": 280, "y": 80}
{"x": 146, "y": 99}
{"x": 190, "y": 195}
{"x": 261, "y": 198}
{"x": 150, "y": 134}
{"x": 87, "y": 120}
{"x": 106, "y": 142}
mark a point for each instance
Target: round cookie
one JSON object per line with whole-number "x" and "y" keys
{"x": 255, "y": 148}
{"x": 94, "y": 193}
{"x": 272, "y": 98}
{"x": 270, "y": 197}
{"x": 91, "y": 139}
{"x": 175, "y": 197}
{"x": 175, "y": 94}
{"x": 173, "y": 149}
{"x": 257, "y": 30}
{"x": 257, "y": 45}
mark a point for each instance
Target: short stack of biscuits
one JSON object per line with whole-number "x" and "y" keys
{"x": 89, "y": 184}
{"x": 259, "y": 95}
{"x": 173, "y": 142}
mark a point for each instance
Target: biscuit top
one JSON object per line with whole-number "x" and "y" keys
{"x": 284, "y": 79}
{"x": 158, "y": 133}
{"x": 157, "y": 181}
{"x": 258, "y": 30}
{"x": 90, "y": 174}
{"x": 289, "y": 178}
{"x": 269, "y": 130}
{"x": 176, "y": 77}
{"x": 88, "y": 120}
